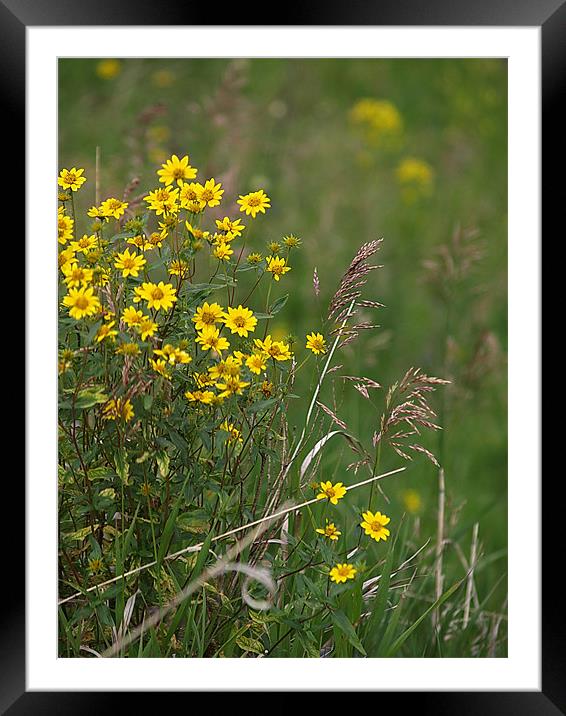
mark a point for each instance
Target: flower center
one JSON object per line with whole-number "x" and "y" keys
{"x": 178, "y": 173}
{"x": 330, "y": 492}
{"x": 376, "y": 526}
{"x": 254, "y": 201}
{"x": 240, "y": 321}
{"x": 157, "y": 294}
{"x": 207, "y": 195}
{"x": 81, "y": 302}
{"x": 128, "y": 263}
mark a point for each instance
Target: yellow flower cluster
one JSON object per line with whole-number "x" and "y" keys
{"x": 379, "y": 119}
{"x": 110, "y": 276}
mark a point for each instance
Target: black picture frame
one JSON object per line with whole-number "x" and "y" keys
{"x": 550, "y": 16}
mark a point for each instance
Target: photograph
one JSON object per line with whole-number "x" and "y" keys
{"x": 282, "y": 407}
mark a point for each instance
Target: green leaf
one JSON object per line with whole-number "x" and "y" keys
{"x": 262, "y": 405}
{"x": 163, "y": 461}
{"x": 122, "y": 464}
{"x": 89, "y": 397}
{"x": 374, "y": 623}
{"x": 277, "y": 305}
{"x": 167, "y": 535}
{"x": 398, "y": 643}
{"x": 247, "y": 644}
{"x": 341, "y": 621}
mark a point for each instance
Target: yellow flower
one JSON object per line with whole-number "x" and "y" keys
{"x": 196, "y": 232}
{"x": 94, "y": 212}
{"x": 131, "y": 350}
{"x": 201, "y": 396}
{"x": 240, "y": 320}
{"x": 329, "y": 530}
{"x": 222, "y": 251}
{"x": 139, "y": 242}
{"x": 160, "y": 366}
{"x": 108, "y": 69}
{"x": 84, "y": 244}
{"x": 81, "y": 302}
{"x": 129, "y": 263}
{"x": 342, "y": 572}
{"x": 228, "y": 367}
{"x": 173, "y": 355}
{"x": 163, "y": 200}
{"x": 239, "y": 357}
{"x": 210, "y": 194}
{"x": 234, "y": 228}
{"x": 379, "y": 119}
{"x": 105, "y": 331}
{"x": 267, "y": 389}
{"x": 132, "y": 317}
{"x": 179, "y": 267}
{"x": 76, "y": 275}
{"x": 316, "y": 343}
{"x": 291, "y": 241}
{"x": 118, "y": 409}
{"x": 71, "y": 178}
{"x": 332, "y": 492}
{"x": 113, "y": 208}
{"x": 232, "y": 385}
{"x": 256, "y": 363}
{"x": 147, "y": 327}
{"x": 65, "y": 361}
{"x": 66, "y": 256}
{"x": 374, "y": 525}
{"x": 202, "y": 380}
{"x": 95, "y": 565}
{"x": 64, "y": 227}
{"x": 277, "y": 266}
{"x": 416, "y": 178}
{"x": 158, "y": 296}
{"x": 234, "y": 433}
{"x": 154, "y": 240}
{"x": 274, "y": 349}
{"x": 254, "y": 202}
{"x": 100, "y": 276}
{"x": 254, "y": 259}
{"x": 207, "y": 315}
{"x": 176, "y": 169}
{"x": 210, "y": 337}
{"x": 412, "y": 501}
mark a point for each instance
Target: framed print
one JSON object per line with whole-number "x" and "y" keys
{"x": 284, "y": 406}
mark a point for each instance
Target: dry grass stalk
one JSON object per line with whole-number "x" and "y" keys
{"x": 349, "y": 290}
{"x": 316, "y": 282}
{"x": 438, "y": 573}
{"x": 454, "y": 261}
{"x": 407, "y": 408}
{"x": 470, "y": 582}
{"x": 333, "y": 415}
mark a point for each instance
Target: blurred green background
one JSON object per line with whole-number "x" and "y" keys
{"x": 350, "y": 150}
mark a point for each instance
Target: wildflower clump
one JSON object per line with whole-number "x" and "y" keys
{"x": 175, "y": 384}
